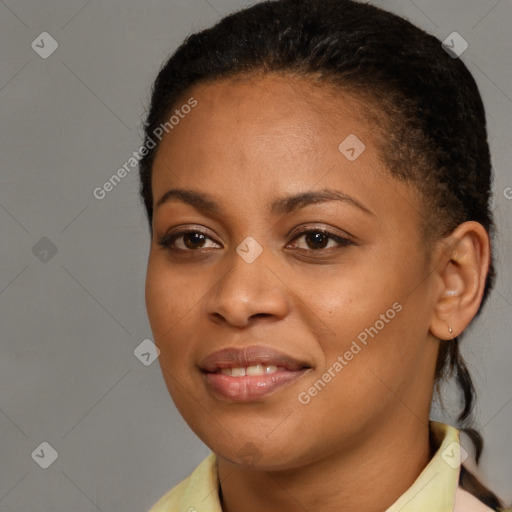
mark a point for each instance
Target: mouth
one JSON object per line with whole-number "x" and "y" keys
{"x": 250, "y": 373}
{"x": 254, "y": 370}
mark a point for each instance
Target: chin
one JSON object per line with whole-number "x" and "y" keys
{"x": 259, "y": 452}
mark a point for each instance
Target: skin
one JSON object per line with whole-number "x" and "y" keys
{"x": 364, "y": 439}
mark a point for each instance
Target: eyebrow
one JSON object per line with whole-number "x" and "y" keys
{"x": 206, "y": 203}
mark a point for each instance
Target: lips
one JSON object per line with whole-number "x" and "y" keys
{"x": 249, "y": 356}
{"x": 249, "y": 373}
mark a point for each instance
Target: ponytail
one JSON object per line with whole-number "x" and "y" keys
{"x": 450, "y": 363}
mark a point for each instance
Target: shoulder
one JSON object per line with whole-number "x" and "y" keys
{"x": 169, "y": 502}
{"x": 466, "y": 502}
{"x": 198, "y": 491}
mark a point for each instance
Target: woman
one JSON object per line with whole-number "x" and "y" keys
{"x": 317, "y": 188}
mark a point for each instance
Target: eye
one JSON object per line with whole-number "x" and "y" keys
{"x": 316, "y": 240}
{"x": 319, "y": 239}
{"x": 191, "y": 240}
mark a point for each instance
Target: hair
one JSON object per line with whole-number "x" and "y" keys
{"x": 426, "y": 112}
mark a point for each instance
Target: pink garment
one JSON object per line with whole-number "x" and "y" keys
{"x": 465, "y": 502}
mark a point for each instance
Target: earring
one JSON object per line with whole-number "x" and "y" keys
{"x": 450, "y": 330}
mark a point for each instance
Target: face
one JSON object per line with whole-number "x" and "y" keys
{"x": 287, "y": 287}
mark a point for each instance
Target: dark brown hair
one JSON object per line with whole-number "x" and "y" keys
{"x": 432, "y": 130}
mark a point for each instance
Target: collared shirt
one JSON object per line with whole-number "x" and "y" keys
{"x": 435, "y": 490}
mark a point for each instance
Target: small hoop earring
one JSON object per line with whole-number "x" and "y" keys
{"x": 450, "y": 330}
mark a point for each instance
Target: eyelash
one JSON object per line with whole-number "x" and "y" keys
{"x": 168, "y": 240}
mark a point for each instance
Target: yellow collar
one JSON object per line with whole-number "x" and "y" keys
{"x": 434, "y": 489}
{"x": 437, "y": 484}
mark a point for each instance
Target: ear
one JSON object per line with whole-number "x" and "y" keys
{"x": 462, "y": 263}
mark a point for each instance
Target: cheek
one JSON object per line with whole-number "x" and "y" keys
{"x": 173, "y": 301}
{"x": 347, "y": 299}
{"x": 388, "y": 359}
{"x": 364, "y": 380}
{"x": 374, "y": 323}
{"x": 170, "y": 295}
{"x": 167, "y": 305}
{"x": 159, "y": 302}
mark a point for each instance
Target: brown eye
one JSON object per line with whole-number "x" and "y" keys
{"x": 187, "y": 241}
{"x": 194, "y": 240}
{"x": 317, "y": 240}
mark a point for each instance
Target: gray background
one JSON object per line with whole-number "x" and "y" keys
{"x": 70, "y": 324}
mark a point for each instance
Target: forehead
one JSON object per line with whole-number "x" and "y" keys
{"x": 265, "y": 106}
{"x": 269, "y": 121}
{"x": 264, "y": 137}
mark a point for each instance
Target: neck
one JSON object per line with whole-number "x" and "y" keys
{"x": 370, "y": 476}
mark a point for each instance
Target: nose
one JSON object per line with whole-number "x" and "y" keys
{"x": 248, "y": 292}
